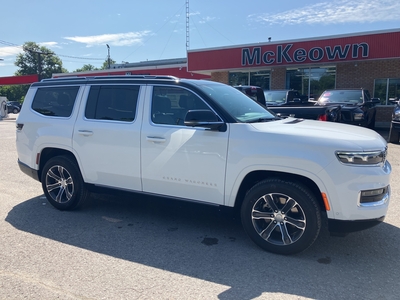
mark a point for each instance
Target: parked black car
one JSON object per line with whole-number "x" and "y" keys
{"x": 289, "y": 103}
{"x": 358, "y": 108}
{"x": 12, "y": 108}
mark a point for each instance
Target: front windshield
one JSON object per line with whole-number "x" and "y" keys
{"x": 237, "y": 104}
{"x": 341, "y": 96}
{"x": 275, "y": 97}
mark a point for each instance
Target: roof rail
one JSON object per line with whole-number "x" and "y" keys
{"x": 139, "y": 76}
{"x": 61, "y": 78}
{"x": 169, "y": 77}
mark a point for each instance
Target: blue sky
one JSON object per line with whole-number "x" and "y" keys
{"x": 78, "y": 31}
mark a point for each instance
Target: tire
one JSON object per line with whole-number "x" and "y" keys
{"x": 62, "y": 184}
{"x": 371, "y": 116}
{"x": 393, "y": 135}
{"x": 371, "y": 123}
{"x": 272, "y": 228}
{"x": 15, "y": 111}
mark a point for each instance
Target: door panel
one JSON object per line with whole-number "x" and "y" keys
{"x": 181, "y": 161}
{"x": 107, "y": 137}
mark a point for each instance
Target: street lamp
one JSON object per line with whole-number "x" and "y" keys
{"x": 108, "y": 57}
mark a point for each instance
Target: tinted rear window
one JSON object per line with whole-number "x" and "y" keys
{"x": 278, "y": 96}
{"x": 55, "y": 101}
{"x": 341, "y": 96}
{"x": 112, "y": 102}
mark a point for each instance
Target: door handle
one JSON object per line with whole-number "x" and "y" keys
{"x": 85, "y": 132}
{"x": 155, "y": 139}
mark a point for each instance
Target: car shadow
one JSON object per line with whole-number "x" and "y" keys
{"x": 208, "y": 243}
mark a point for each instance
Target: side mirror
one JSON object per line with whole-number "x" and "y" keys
{"x": 203, "y": 118}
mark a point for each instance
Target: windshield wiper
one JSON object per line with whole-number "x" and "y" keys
{"x": 259, "y": 120}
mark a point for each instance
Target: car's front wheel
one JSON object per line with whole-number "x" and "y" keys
{"x": 281, "y": 216}
{"x": 62, "y": 183}
{"x": 15, "y": 111}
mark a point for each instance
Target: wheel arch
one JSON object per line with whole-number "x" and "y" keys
{"x": 48, "y": 153}
{"x": 256, "y": 176}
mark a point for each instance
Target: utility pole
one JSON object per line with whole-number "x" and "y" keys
{"x": 39, "y": 67}
{"x": 187, "y": 25}
{"x": 108, "y": 57}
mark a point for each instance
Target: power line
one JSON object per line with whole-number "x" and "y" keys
{"x": 162, "y": 26}
{"x": 61, "y": 55}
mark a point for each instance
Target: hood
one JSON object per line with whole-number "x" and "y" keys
{"x": 320, "y": 133}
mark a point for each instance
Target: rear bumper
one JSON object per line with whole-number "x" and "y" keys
{"x": 341, "y": 226}
{"x": 28, "y": 171}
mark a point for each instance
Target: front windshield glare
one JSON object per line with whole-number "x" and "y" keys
{"x": 237, "y": 104}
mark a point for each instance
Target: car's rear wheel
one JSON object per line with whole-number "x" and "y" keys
{"x": 62, "y": 183}
{"x": 281, "y": 216}
{"x": 15, "y": 111}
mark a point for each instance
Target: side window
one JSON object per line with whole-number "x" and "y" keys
{"x": 170, "y": 105}
{"x": 112, "y": 102}
{"x": 55, "y": 101}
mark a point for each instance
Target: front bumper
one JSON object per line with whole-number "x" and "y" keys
{"x": 344, "y": 226}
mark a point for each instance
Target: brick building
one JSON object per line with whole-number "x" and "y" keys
{"x": 368, "y": 60}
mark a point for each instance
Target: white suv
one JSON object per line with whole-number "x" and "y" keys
{"x": 203, "y": 141}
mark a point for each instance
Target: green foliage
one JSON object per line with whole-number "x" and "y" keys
{"x": 85, "y": 68}
{"x": 38, "y": 60}
{"x": 14, "y": 92}
{"x": 105, "y": 64}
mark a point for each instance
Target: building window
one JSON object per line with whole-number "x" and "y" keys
{"x": 311, "y": 81}
{"x": 387, "y": 89}
{"x": 260, "y": 78}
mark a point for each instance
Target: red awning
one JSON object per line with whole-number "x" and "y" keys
{"x": 24, "y": 79}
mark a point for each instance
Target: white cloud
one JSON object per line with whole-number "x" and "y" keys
{"x": 117, "y": 39}
{"x": 50, "y": 45}
{"x": 206, "y": 19}
{"x": 10, "y": 51}
{"x": 336, "y": 12}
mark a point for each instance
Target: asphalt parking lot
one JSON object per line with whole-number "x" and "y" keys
{"x": 150, "y": 248}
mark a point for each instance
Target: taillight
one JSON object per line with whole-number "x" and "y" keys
{"x": 323, "y": 118}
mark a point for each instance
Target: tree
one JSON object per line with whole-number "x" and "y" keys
{"x": 105, "y": 64}
{"x": 90, "y": 67}
{"x": 38, "y": 60}
{"x": 14, "y": 92}
{"x": 85, "y": 68}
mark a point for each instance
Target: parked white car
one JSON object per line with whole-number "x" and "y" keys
{"x": 203, "y": 141}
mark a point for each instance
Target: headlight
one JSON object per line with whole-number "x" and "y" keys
{"x": 358, "y": 116}
{"x": 396, "y": 114}
{"x": 362, "y": 158}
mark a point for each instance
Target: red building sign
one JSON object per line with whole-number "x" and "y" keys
{"x": 366, "y": 46}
